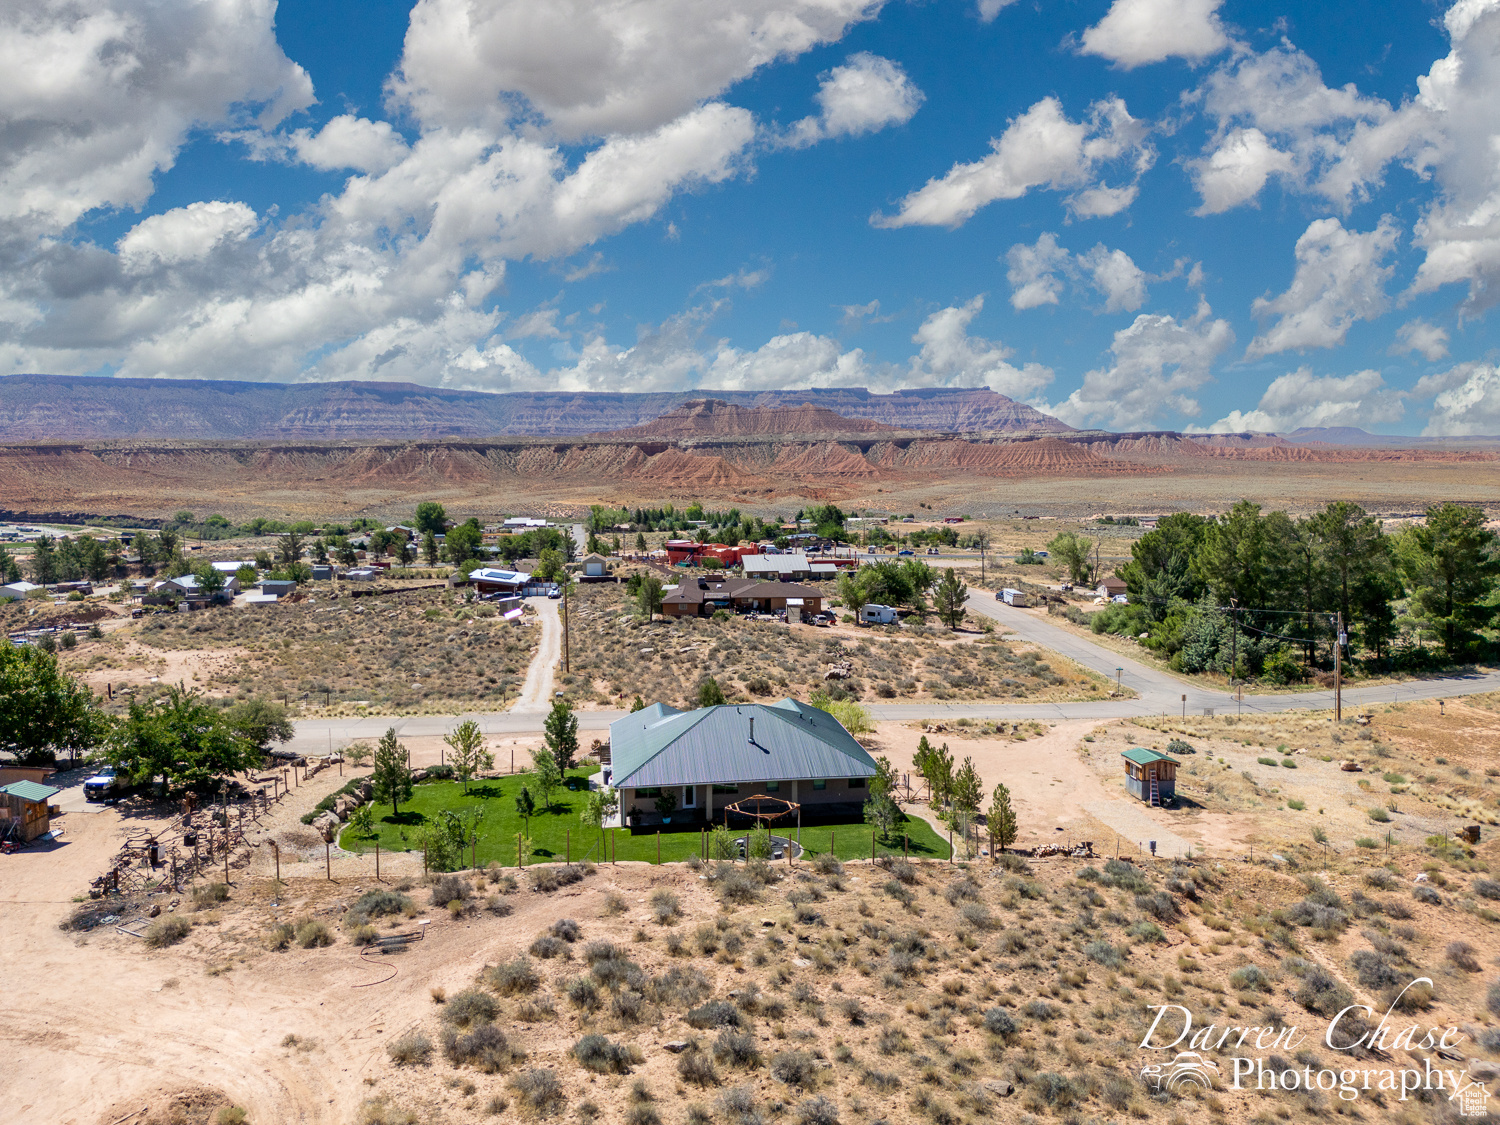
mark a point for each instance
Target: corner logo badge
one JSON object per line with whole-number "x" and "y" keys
{"x": 1189, "y": 1068}
{"x": 1473, "y": 1100}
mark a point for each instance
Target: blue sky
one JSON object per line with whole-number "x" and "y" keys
{"x": 1134, "y": 214}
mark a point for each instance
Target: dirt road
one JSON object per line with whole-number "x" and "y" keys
{"x": 536, "y": 692}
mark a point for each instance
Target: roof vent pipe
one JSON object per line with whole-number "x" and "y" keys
{"x": 752, "y": 730}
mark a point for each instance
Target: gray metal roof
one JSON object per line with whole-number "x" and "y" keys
{"x": 712, "y": 745}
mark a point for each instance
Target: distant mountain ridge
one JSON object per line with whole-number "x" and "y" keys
{"x": 92, "y": 408}
{"x": 712, "y": 417}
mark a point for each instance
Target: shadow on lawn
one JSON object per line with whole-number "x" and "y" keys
{"x": 404, "y": 819}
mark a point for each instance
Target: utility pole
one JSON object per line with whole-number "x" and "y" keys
{"x": 1338, "y": 667}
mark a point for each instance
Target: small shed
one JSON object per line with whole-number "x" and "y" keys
{"x": 1150, "y": 775}
{"x": 595, "y": 566}
{"x": 24, "y": 810}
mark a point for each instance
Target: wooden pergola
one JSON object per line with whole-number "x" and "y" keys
{"x": 780, "y": 808}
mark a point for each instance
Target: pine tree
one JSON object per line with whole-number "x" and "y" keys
{"x": 710, "y": 694}
{"x": 1002, "y": 820}
{"x": 950, "y": 596}
{"x": 392, "y": 776}
{"x": 968, "y": 790}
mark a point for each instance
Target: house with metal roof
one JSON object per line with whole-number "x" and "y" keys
{"x": 1150, "y": 775}
{"x": 25, "y": 811}
{"x": 492, "y": 580}
{"x": 700, "y": 761}
{"x": 744, "y": 595}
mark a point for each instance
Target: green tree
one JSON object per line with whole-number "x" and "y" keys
{"x": 648, "y": 599}
{"x": 710, "y": 694}
{"x": 545, "y": 774}
{"x": 637, "y": 704}
{"x": 210, "y": 581}
{"x": 936, "y": 767}
{"x": 464, "y": 542}
{"x": 320, "y": 551}
{"x": 640, "y": 541}
{"x": 42, "y": 710}
{"x": 549, "y": 565}
{"x": 968, "y": 790}
{"x": 881, "y": 809}
{"x": 920, "y": 577}
{"x": 1002, "y": 820}
{"x": 391, "y": 777}
{"x": 1074, "y": 552}
{"x": 183, "y": 739}
{"x": 525, "y": 806}
{"x": 852, "y": 593}
{"x": 430, "y": 548}
{"x": 431, "y": 519}
{"x": 260, "y": 722}
{"x": 470, "y": 755}
{"x": 851, "y": 716}
{"x": 1450, "y": 566}
{"x": 950, "y": 597}
{"x": 560, "y": 734}
{"x": 10, "y": 570}
{"x": 1359, "y": 564}
{"x": 289, "y": 549}
{"x": 598, "y": 806}
{"x": 44, "y": 560}
{"x": 1234, "y": 560}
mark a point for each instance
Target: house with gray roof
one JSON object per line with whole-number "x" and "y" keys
{"x": 714, "y": 756}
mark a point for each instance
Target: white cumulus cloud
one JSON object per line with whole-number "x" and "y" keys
{"x": 1301, "y": 398}
{"x": 1466, "y": 400}
{"x": 1136, "y": 32}
{"x": 1340, "y": 278}
{"x": 950, "y": 357}
{"x": 1428, "y": 340}
{"x": 185, "y": 234}
{"x": 864, "y": 95}
{"x": 347, "y": 141}
{"x": 1038, "y": 273}
{"x": 1042, "y": 148}
{"x": 1157, "y": 363}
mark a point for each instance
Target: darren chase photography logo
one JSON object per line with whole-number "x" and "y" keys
{"x": 1254, "y": 1064}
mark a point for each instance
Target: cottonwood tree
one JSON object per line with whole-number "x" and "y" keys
{"x": 42, "y": 710}
{"x": 853, "y": 593}
{"x": 431, "y": 518}
{"x": 950, "y": 596}
{"x": 560, "y": 734}
{"x": 1002, "y": 820}
{"x": 470, "y": 755}
{"x": 391, "y": 778}
{"x": 1072, "y": 550}
{"x": 183, "y": 740}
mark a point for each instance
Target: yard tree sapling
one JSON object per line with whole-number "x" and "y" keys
{"x": 546, "y": 774}
{"x": 1002, "y": 820}
{"x": 598, "y": 806}
{"x": 637, "y": 704}
{"x": 951, "y": 595}
{"x": 470, "y": 755}
{"x": 666, "y": 804}
{"x": 881, "y": 809}
{"x": 525, "y": 806}
{"x": 560, "y": 733}
{"x": 936, "y": 767}
{"x": 968, "y": 790}
{"x": 392, "y": 776}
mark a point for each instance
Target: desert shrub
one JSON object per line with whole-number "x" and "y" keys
{"x": 628, "y": 1006}
{"x": 602, "y": 951}
{"x": 817, "y": 1111}
{"x": 1416, "y": 998}
{"x": 1487, "y": 888}
{"x": 378, "y": 1111}
{"x": 618, "y": 971}
{"x": 546, "y": 946}
{"x": 376, "y": 904}
{"x": 1250, "y": 978}
{"x": 998, "y": 1021}
{"x": 715, "y": 1013}
{"x": 826, "y": 863}
{"x": 1039, "y": 1010}
{"x": 210, "y": 895}
{"x": 795, "y": 1068}
{"x": 582, "y": 993}
{"x": 963, "y": 888}
{"x": 1119, "y": 874}
{"x": 1055, "y": 1089}
{"x": 1117, "y": 1091}
{"x": 1161, "y": 906}
{"x": 313, "y": 934}
{"x": 1378, "y": 815}
{"x": 166, "y": 931}
{"x": 484, "y": 1047}
{"x": 1492, "y": 999}
{"x": 898, "y": 891}
{"x": 602, "y": 1056}
{"x": 978, "y": 915}
{"x": 1104, "y": 953}
{"x": 566, "y": 929}
{"x": 1383, "y": 880}
{"x": 1146, "y": 931}
{"x": 1320, "y": 992}
{"x": 1178, "y": 746}
{"x": 679, "y": 988}
{"x": 666, "y": 908}
{"x": 903, "y": 871}
{"x": 881, "y": 1079}
{"x": 538, "y": 1090}
{"x": 470, "y": 1007}
{"x": 696, "y": 1067}
{"x": 739, "y": 888}
{"x": 554, "y": 877}
{"x": 853, "y": 1010}
{"x": 513, "y": 978}
{"x": 738, "y": 1106}
{"x": 1373, "y": 970}
{"x": 1461, "y": 954}
{"x": 280, "y": 936}
{"x": 410, "y": 1049}
{"x": 1423, "y": 893}
{"x": 450, "y": 888}
{"x": 737, "y": 1048}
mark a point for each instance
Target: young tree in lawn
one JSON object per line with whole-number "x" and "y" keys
{"x": 560, "y": 732}
{"x": 1002, "y": 820}
{"x": 937, "y": 768}
{"x": 710, "y": 694}
{"x": 648, "y": 600}
{"x": 599, "y": 806}
{"x": 525, "y": 807}
{"x": 545, "y": 774}
{"x": 881, "y": 809}
{"x": 391, "y": 778}
{"x": 470, "y": 754}
{"x": 950, "y": 596}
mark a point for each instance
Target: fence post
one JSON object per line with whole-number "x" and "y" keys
{"x": 275, "y": 851}
{"x": 518, "y": 851}
{"x": 872, "y": 845}
{"x": 658, "y": 845}
{"x": 612, "y": 847}
{"x": 905, "y": 845}
{"x": 327, "y": 859}
{"x": 568, "y": 846}
{"x": 377, "y": 860}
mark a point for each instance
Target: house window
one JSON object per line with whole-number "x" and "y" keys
{"x": 653, "y": 791}
{"x": 856, "y": 783}
{"x": 820, "y": 785}
{"x": 726, "y": 788}
{"x": 773, "y": 786}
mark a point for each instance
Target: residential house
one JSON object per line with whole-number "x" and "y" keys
{"x": 740, "y": 595}
{"x": 714, "y": 756}
{"x": 1111, "y": 587}
{"x": 278, "y": 587}
{"x": 790, "y": 565}
{"x": 490, "y": 580}
{"x": 17, "y": 591}
{"x": 187, "y": 586}
{"x": 595, "y": 567}
{"x": 523, "y": 523}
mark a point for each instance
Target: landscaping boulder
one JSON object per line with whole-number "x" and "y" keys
{"x": 326, "y": 823}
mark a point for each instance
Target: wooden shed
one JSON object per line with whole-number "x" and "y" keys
{"x": 1150, "y": 775}
{"x": 24, "y": 810}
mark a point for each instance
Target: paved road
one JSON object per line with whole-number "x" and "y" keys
{"x": 1157, "y": 693}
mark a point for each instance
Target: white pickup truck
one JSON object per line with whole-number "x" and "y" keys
{"x": 108, "y": 782}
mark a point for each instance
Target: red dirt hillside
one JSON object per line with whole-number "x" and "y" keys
{"x": 712, "y": 417}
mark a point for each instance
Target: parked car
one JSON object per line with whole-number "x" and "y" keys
{"x": 905, "y": 552}
{"x": 107, "y": 783}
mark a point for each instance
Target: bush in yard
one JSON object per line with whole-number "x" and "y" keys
{"x": 166, "y": 931}
{"x": 312, "y": 934}
{"x": 665, "y": 907}
{"x": 447, "y": 888}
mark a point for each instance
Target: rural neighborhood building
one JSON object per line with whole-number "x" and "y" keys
{"x": 1111, "y": 587}
{"x": 489, "y": 580}
{"x": 786, "y": 566}
{"x": 187, "y": 585}
{"x": 25, "y": 810}
{"x": 522, "y": 523}
{"x": 743, "y": 595}
{"x": 17, "y": 591}
{"x": 279, "y": 587}
{"x": 595, "y": 566}
{"x": 1150, "y": 775}
{"x": 714, "y": 756}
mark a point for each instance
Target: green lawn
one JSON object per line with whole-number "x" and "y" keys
{"x": 558, "y": 833}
